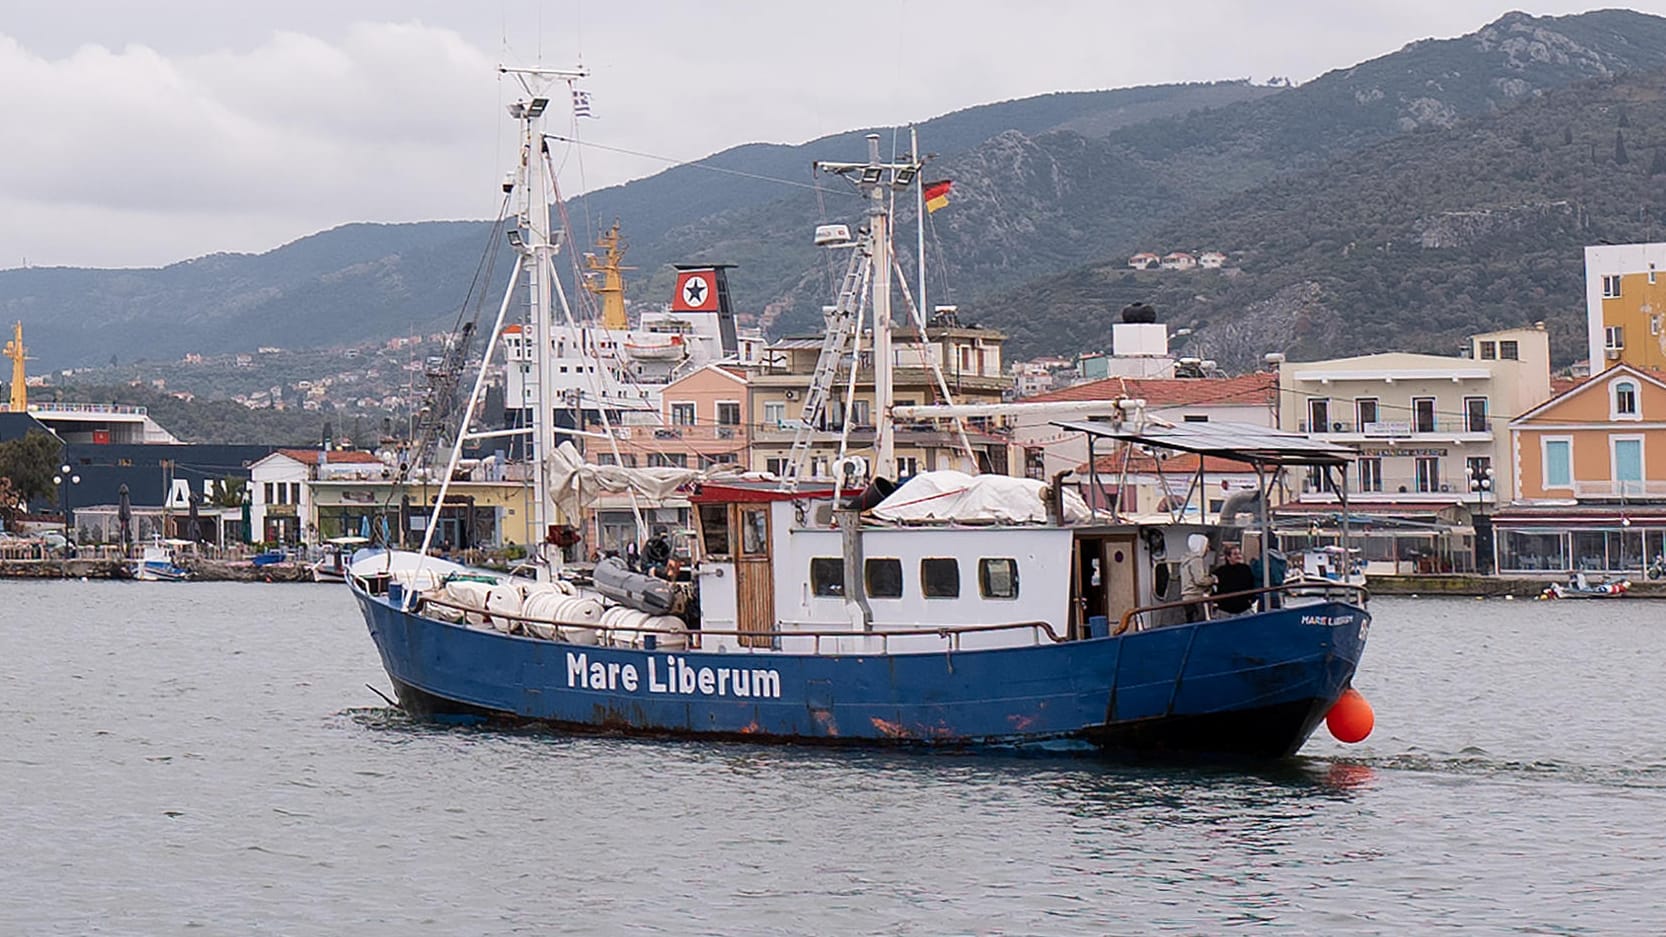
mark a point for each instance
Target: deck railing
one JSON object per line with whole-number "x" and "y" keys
{"x": 953, "y": 633}
{"x": 1330, "y": 591}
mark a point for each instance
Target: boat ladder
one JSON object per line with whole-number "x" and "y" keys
{"x": 842, "y": 322}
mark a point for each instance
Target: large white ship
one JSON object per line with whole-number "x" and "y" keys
{"x": 608, "y": 364}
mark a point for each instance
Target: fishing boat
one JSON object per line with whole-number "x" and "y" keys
{"x": 332, "y": 565}
{"x": 157, "y": 562}
{"x": 952, "y": 611}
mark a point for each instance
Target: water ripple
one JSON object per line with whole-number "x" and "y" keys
{"x": 262, "y": 788}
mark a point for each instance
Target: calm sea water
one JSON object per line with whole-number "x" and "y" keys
{"x": 206, "y": 758}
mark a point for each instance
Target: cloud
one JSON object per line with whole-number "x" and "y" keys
{"x": 370, "y": 127}
{"x": 146, "y": 134}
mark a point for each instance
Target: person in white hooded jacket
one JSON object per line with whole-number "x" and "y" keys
{"x": 1196, "y": 581}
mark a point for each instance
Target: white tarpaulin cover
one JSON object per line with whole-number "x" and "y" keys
{"x": 576, "y": 484}
{"x": 975, "y": 499}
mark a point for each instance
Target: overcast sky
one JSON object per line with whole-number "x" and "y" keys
{"x": 139, "y": 134}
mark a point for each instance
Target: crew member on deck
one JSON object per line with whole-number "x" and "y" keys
{"x": 1235, "y": 575}
{"x": 1195, "y": 579}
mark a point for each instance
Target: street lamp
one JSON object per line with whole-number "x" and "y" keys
{"x": 64, "y": 476}
{"x": 1480, "y": 482}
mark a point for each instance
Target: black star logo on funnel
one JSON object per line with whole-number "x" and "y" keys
{"x": 694, "y": 291}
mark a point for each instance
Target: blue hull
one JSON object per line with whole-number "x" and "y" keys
{"x": 1254, "y": 685}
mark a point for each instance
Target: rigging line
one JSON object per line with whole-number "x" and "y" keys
{"x": 586, "y": 299}
{"x": 919, "y": 319}
{"x": 942, "y": 258}
{"x": 696, "y": 164}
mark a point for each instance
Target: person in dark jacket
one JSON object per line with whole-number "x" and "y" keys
{"x": 1234, "y": 575}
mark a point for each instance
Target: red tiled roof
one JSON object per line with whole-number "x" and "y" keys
{"x": 1561, "y": 385}
{"x": 1245, "y": 389}
{"x": 310, "y": 456}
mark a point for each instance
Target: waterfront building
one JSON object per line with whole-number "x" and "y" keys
{"x": 1584, "y": 499}
{"x": 280, "y": 499}
{"x": 1046, "y": 450}
{"x": 1432, "y": 441}
{"x": 969, "y": 358}
{"x": 701, "y": 424}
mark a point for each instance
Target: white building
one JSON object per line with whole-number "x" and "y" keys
{"x": 280, "y": 499}
{"x": 1426, "y": 426}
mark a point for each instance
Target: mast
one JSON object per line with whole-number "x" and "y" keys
{"x": 537, "y": 250}
{"x": 872, "y": 179}
{"x": 612, "y": 287}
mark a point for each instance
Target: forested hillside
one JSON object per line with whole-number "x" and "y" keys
{"x": 1412, "y": 244}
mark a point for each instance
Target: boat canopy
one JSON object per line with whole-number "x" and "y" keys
{"x": 948, "y": 496}
{"x": 1243, "y": 442}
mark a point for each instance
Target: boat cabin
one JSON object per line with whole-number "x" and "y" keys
{"x": 799, "y": 571}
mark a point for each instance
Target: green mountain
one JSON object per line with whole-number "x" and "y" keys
{"x": 1412, "y": 244}
{"x": 1051, "y": 194}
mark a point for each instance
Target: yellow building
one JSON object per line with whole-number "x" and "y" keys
{"x": 1625, "y": 304}
{"x": 1585, "y": 497}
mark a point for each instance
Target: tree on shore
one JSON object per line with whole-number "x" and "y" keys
{"x": 29, "y": 463}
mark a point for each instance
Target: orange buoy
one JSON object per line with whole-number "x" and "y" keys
{"x": 1351, "y": 719}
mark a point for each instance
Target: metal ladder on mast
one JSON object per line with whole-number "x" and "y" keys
{"x": 842, "y": 322}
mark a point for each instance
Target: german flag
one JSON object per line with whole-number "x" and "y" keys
{"x": 937, "y": 195}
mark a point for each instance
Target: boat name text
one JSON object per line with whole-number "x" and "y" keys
{"x": 1327, "y": 619}
{"x": 673, "y": 675}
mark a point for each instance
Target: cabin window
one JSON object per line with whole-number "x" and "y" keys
{"x": 1489, "y": 351}
{"x": 1509, "y": 351}
{"x": 754, "y": 531}
{"x": 714, "y": 528}
{"x": 883, "y": 578}
{"x": 940, "y": 577}
{"x": 998, "y": 578}
{"x": 827, "y": 575}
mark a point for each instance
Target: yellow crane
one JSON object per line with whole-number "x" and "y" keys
{"x": 20, "y": 384}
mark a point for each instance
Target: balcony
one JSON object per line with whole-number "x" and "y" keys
{"x": 1609, "y": 490}
{"x": 1455, "y": 426}
{"x": 697, "y": 433}
{"x": 1401, "y": 488}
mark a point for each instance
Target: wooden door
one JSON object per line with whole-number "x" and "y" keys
{"x": 1121, "y": 565}
{"x": 754, "y": 577}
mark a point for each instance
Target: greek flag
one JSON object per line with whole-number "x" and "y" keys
{"x": 581, "y": 104}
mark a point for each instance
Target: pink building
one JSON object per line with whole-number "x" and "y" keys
{"x": 702, "y": 425}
